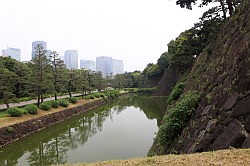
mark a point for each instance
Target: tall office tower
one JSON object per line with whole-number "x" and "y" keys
{"x": 14, "y": 53}
{"x": 117, "y": 67}
{"x": 104, "y": 65}
{"x": 34, "y": 44}
{"x": 71, "y": 59}
{"x": 87, "y": 64}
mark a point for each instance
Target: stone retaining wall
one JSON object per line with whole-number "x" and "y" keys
{"x": 23, "y": 129}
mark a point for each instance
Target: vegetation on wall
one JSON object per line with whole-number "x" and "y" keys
{"x": 174, "y": 122}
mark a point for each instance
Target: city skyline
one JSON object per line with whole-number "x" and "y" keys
{"x": 96, "y": 28}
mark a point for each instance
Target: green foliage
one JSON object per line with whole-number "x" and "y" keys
{"x": 23, "y": 111}
{"x": 177, "y": 118}
{"x": 162, "y": 62}
{"x": 112, "y": 94}
{"x": 45, "y": 106}
{"x": 91, "y": 96}
{"x": 176, "y": 93}
{"x": 146, "y": 90}
{"x": 32, "y": 109}
{"x": 98, "y": 94}
{"x": 87, "y": 97}
{"x": 73, "y": 100}
{"x": 63, "y": 103}
{"x": 14, "y": 111}
{"x": 152, "y": 70}
{"x": 9, "y": 129}
{"x": 54, "y": 103}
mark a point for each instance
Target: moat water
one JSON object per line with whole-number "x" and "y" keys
{"x": 119, "y": 130}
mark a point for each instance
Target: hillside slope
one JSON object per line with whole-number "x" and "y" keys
{"x": 221, "y": 75}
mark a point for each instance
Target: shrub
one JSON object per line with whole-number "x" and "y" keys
{"x": 14, "y": 111}
{"x": 73, "y": 100}
{"x": 63, "y": 103}
{"x": 45, "y": 106}
{"x": 23, "y": 111}
{"x": 55, "y": 103}
{"x": 92, "y": 96}
{"x": 98, "y": 95}
{"x": 87, "y": 97}
{"x": 32, "y": 109}
{"x": 177, "y": 118}
{"x": 9, "y": 129}
{"x": 176, "y": 92}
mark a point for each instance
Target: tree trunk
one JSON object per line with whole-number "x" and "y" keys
{"x": 41, "y": 97}
{"x": 38, "y": 100}
{"x": 55, "y": 96}
{"x": 223, "y": 9}
{"x": 230, "y": 6}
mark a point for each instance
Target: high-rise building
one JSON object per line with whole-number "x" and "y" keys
{"x": 87, "y": 64}
{"x": 14, "y": 53}
{"x": 104, "y": 65}
{"x": 34, "y": 44}
{"x": 117, "y": 67}
{"x": 71, "y": 59}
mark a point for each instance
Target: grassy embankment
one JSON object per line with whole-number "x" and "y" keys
{"x": 231, "y": 157}
{"x": 7, "y": 120}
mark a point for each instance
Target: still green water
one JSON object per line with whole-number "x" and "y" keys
{"x": 119, "y": 130}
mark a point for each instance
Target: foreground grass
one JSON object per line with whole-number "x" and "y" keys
{"x": 232, "y": 157}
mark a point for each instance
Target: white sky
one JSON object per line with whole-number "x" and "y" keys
{"x": 135, "y": 31}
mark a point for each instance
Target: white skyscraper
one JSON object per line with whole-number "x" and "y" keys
{"x": 14, "y": 53}
{"x": 71, "y": 59}
{"x": 87, "y": 64}
{"x": 104, "y": 65}
{"x": 34, "y": 44}
{"x": 117, "y": 66}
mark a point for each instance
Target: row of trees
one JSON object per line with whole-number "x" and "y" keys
{"x": 43, "y": 76}
{"x": 181, "y": 52}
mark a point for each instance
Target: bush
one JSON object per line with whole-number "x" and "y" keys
{"x": 9, "y": 129}
{"x": 14, "y": 111}
{"x": 87, "y": 97}
{"x": 146, "y": 90}
{"x": 55, "y": 103}
{"x": 73, "y": 100}
{"x": 112, "y": 94}
{"x": 23, "y": 111}
{"x": 92, "y": 96}
{"x": 177, "y": 118}
{"x": 45, "y": 106}
{"x": 98, "y": 95}
{"x": 176, "y": 93}
{"x": 32, "y": 109}
{"x": 63, "y": 103}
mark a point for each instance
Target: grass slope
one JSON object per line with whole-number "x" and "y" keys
{"x": 232, "y": 157}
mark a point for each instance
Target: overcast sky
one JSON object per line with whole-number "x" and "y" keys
{"x": 135, "y": 31}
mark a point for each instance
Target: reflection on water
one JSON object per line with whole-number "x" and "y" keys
{"x": 118, "y": 130}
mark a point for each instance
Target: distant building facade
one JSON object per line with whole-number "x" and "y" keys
{"x": 34, "y": 44}
{"x": 117, "y": 67}
{"x": 104, "y": 64}
{"x": 87, "y": 64}
{"x": 14, "y": 53}
{"x": 71, "y": 59}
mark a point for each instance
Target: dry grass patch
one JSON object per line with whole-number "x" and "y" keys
{"x": 232, "y": 157}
